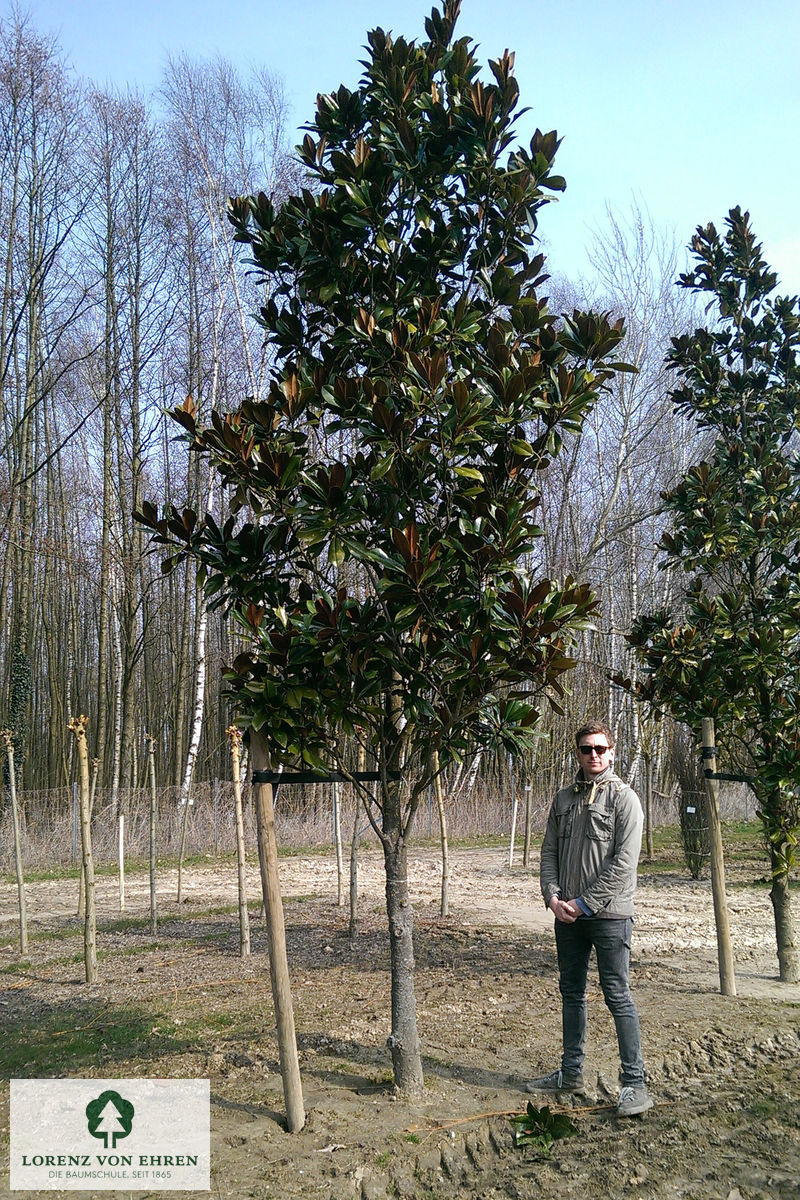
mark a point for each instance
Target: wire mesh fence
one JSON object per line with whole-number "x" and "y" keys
{"x": 50, "y": 829}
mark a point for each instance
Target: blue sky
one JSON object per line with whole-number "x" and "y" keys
{"x": 687, "y": 107}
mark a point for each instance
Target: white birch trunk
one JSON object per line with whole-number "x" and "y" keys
{"x": 199, "y": 704}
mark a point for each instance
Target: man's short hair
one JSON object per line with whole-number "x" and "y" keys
{"x": 594, "y": 727}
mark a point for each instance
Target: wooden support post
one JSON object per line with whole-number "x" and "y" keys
{"x": 514, "y": 805}
{"x": 437, "y": 778}
{"x": 278, "y": 961}
{"x": 337, "y": 841}
{"x": 151, "y": 773}
{"x": 727, "y": 978}
{"x": 235, "y": 736}
{"x": 78, "y": 727}
{"x": 12, "y": 784}
{"x": 121, "y": 856}
{"x": 526, "y": 851}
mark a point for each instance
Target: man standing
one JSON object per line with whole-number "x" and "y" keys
{"x": 588, "y": 877}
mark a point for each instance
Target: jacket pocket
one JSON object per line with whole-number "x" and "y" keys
{"x": 600, "y": 825}
{"x": 565, "y": 820}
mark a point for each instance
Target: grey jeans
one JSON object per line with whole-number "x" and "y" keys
{"x": 611, "y": 940}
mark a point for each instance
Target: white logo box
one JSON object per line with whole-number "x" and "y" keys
{"x": 137, "y": 1135}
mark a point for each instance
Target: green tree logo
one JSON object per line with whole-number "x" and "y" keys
{"x": 110, "y": 1117}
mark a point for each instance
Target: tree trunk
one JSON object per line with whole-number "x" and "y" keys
{"x": 199, "y": 697}
{"x": 403, "y": 1041}
{"x": 185, "y": 801}
{"x": 788, "y": 953}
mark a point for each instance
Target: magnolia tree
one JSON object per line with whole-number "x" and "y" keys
{"x": 381, "y": 552}
{"x": 733, "y": 653}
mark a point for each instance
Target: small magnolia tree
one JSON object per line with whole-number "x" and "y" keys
{"x": 734, "y": 652}
{"x": 381, "y": 548}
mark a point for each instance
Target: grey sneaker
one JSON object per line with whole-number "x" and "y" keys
{"x": 556, "y": 1081}
{"x": 633, "y": 1100}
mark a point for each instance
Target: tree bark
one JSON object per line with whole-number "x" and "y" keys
{"x": 403, "y": 1041}
{"x": 199, "y": 697}
{"x": 788, "y": 953}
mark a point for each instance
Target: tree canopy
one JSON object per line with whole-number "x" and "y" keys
{"x": 382, "y": 542}
{"x": 732, "y": 652}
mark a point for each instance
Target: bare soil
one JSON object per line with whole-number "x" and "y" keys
{"x": 724, "y": 1071}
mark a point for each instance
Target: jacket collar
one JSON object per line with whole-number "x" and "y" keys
{"x": 601, "y": 779}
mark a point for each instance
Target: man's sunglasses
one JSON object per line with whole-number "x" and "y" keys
{"x": 598, "y": 750}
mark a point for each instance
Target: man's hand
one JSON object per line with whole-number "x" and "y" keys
{"x": 565, "y": 910}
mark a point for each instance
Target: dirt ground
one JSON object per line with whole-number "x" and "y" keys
{"x": 724, "y": 1071}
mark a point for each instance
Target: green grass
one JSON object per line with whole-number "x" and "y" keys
{"x": 220, "y": 1021}
{"x": 71, "y": 1039}
{"x": 16, "y": 968}
{"x": 122, "y": 924}
{"x": 57, "y": 935}
{"x": 241, "y": 1026}
{"x": 486, "y": 841}
{"x": 743, "y": 845}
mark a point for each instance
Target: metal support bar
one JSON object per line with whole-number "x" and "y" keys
{"x": 276, "y": 778}
{"x": 733, "y": 778}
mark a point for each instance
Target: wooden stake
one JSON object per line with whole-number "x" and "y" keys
{"x": 121, "y": 830}
{"x": 337, "y": 839}
{"x": 78, "y": 727}
{"x": 12, "y": 784}
{"x": 526, "y": 852}
{"x": 151, "y": 770}
{"x": 437, "y": 783}
{"x": 235, "y": 736}
{"x": 278, "y": 962}
{"x": 514, "y": 804}
{"x": 727, "y": 978}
